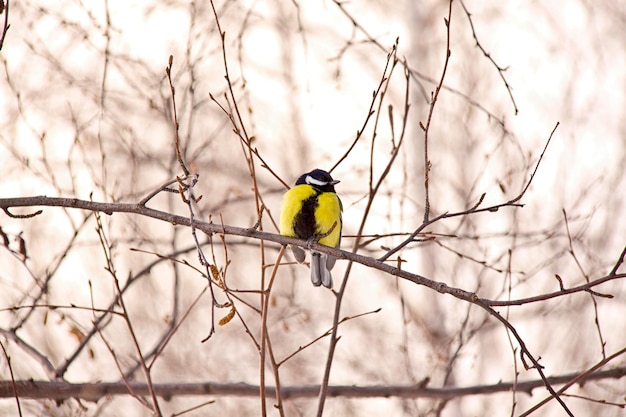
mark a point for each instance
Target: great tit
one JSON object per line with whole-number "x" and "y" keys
{"x": 312, "y": 210}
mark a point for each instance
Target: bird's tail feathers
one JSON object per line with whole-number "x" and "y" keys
{"x": 320, "y": 270}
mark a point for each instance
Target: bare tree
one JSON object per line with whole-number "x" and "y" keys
{"x": 145, "y": 150}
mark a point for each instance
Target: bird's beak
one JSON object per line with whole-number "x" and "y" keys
{"x": 333, "y": 182}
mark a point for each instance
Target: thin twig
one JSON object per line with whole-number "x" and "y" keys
{"x": 620, "y": 261}
{"x": 487, "y": 55}
{"x": 509, "y": 282}
{"x": 572, "y": 252}
{"x": 194, "y": 408}
{"x": 5, "y": 29}
{"x": 110, "y": 268}
{"x": 13, "y": 386}
{"x": 249, "y": 153}
{"x": 179, "y": 156}
{"x": 474, "y": 209}
{"x": 373, "y": 192}
{"x": 376, "y": 97}
{"x": 577, "y": 379}
{"x": 415, "y": 74}
{"x": 325, "y": 334}
{"x": 266, "y": 342}
{"x": 431, "y": 109}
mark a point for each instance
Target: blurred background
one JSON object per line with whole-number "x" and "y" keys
{"x": 86, "y": 112}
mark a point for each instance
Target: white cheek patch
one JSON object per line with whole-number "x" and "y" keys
{"x": 313, "y": 181}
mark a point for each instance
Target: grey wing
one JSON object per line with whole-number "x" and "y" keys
{"x": 330, "y": 260}
{"x": 298, "y": 253}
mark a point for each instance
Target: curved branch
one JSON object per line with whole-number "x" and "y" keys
{"x": 211, "y": 228}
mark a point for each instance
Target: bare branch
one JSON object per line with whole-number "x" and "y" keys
{"x": 59, "y": 390}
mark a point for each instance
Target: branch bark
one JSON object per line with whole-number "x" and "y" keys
{"x": 58, "y": 390}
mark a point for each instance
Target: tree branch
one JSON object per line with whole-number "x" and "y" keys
{"x": 59, "y": 390}
{"x": 211, "y": 228}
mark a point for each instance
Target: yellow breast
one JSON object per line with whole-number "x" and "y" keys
{"x": 325, "y": 212}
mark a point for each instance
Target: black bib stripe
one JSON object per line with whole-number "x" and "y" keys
{"x": 304, "y": 223}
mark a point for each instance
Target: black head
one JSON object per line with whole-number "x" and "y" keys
{"x": 319, "y": 179}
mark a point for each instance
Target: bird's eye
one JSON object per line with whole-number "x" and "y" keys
{"x": 313, "y": 181}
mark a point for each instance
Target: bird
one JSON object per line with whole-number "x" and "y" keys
{"x": 311, "y": 210}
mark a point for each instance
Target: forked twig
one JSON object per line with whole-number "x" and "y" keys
{"x": 475, "y": 208}
{"x": 110, "y": 268}
{"x": 391, "y": 58}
